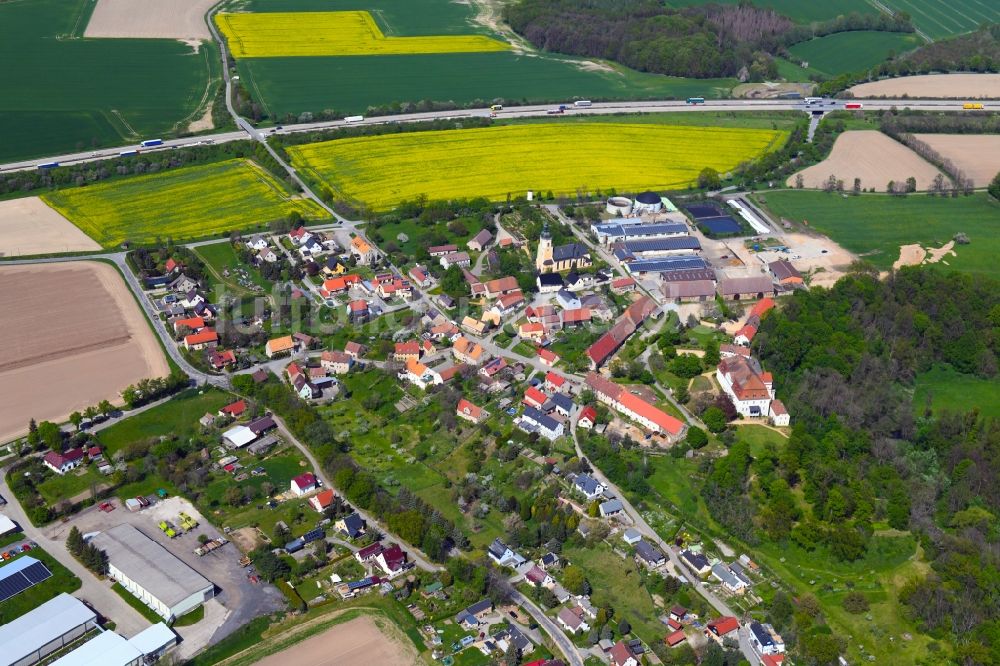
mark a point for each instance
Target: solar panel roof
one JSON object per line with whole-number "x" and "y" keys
{"x": 21, "y": 574}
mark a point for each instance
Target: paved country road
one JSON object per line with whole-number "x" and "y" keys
{"x": 561, "y": 640}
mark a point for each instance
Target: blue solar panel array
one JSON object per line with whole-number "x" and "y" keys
{"x": 663, "y": 244}
{"x": 21, "y": 574}
{"x": 699, "y": 211}
{"x": 720, "y": 225}
{"x": 667, "y": 264}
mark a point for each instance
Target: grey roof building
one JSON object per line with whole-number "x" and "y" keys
{"x": 649, "y": 553}
{"x": 44, "y": 630}
{"x": 151, "y": 573}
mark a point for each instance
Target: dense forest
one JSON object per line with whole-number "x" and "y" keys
{"x": 701, "y": 42}
{"x": 862, "y": 453}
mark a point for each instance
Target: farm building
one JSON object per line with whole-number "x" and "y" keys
{"x": 736, "y": 289}
{"x": 647, "y": 202}
{"x": 110, "y": 649}
{"x": 619, "y": 206}
{"x": 151, "y": 573}
{"x": 6, "y": 525}
{"x": 44, "y": 630}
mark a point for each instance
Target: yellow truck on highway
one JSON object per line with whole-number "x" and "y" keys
{"x": 972, "y": 106}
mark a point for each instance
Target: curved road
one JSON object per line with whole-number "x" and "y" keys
{"x": 561, "y": 640}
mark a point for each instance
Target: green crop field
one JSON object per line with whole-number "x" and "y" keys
{"x": 497, "y": 161}
{"x": 852, "y": 51}
{"x": 937, "y": 18}
{"x": 186, "y": 203}
{"x": 351, "y": 84}
{"x": 63, "y": 93}
{"x": 953, "y": 391}
{"x": 802, "y": 11}
{"x": 876, "y": 225}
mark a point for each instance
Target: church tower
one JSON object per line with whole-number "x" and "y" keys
{"x": 543, "y": 260}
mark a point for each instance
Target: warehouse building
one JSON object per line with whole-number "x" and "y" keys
{"x": 151, "y": 573}
{"x": 110, "y": 649}
{"x": 44, "y": 630}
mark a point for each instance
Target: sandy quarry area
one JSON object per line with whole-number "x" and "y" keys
{"x": 978, "y": 155}
{"x": 357, "y": 642}
{"x": 818, "y": 257}
{"x": 955, "y": 86}
{"x": 150, "y": 19}
{"x": 71, "y": 336}
{"x": 871, "y": 156}
{"x": 913, "y": 255}
{"x": 29, "y": 226}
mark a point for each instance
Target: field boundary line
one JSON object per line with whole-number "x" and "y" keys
{"x": 118, "y": 114}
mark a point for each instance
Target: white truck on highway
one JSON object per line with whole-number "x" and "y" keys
{"x": 353, "y": 119}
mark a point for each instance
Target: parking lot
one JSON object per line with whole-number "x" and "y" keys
{"x": 241, "y": 599}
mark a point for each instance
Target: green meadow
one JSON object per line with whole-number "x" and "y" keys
{"x": 852, "y": 51}
{"x": 874, "y": 226}
{"x": 800, "y": 11}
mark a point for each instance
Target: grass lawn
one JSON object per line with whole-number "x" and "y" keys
{"x": 178, "y": 416}
{"x": 797, "y": 10}
{"x": 951, "y": 390}
{"x": 874, "y": 226}
{"x": 616, "y": 582}
{"x": 416, "y": 235}
{"x": 65, "y": 486}
{"x": 222, "y": 256}
{"x": 759, "y": 438}
{"x": 134, "y": 602}
{"x": 62, "y": 580}
{"x": 194, "y": 617}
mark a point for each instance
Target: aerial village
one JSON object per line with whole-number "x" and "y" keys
{"x": 548, "y": 335}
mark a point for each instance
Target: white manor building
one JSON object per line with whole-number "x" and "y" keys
{"x": 751, "y": 389}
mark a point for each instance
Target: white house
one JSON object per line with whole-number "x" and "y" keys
{"x": 303, "y": 483}
{"x": 60, "y": 463}
{"x": 765, "y": 640}
{"x": 590, "y": 487}
{"x": 750, "y": 389}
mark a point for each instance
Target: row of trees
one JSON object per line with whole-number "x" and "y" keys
{"x": 88, "y": 554}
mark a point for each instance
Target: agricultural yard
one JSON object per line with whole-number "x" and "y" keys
{"x": 70, "y": 93}
{"x": 871, "y": 156}
{"x": 968, "y": 86}
{"x": 938, "y": 19}
{"x": 58, "y": 369}
{"x": 798, "y": 11}
{"x": 950, "y": 390}
{"x": 274, "y": 34}
{"x": 352, "y": 84}
{"x": 977, "y": 155}
{"x": 150, "y": 19}
{"x": 496, "y": 161}
{"x": 875, "y": 226}
{"x": 187, "y": 203}
{"x": 852, "y": 51}
{"x": 28, "y": 226}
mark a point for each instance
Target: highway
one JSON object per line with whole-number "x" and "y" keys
{"x": 248, "y": 131}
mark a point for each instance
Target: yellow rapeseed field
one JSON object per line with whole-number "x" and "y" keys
{"x": 381, "y": 171}
{"x": 279, "y": 34}
{"x": 189, "y": 202}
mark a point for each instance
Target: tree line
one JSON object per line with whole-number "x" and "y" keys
{"x": 701, "y": 42}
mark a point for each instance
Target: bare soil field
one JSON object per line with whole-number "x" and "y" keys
{"x": 29, "y": 226}
{"x": 357, "y": 642}
{"x": 957, "y": 86}
{"x": 978, "y": 155}
{"x": 914, "y": 255}
{"x": 150, "y": 19}
{"x": 871, "y": 156}
{"x": 71, "y": 336}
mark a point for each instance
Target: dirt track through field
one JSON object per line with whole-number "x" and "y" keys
{"x": 956, "y": 86}
{"x": 150, "y": 19}
{"x": 357, "y": 642}
{"x": 29, "y": 226}
{"x": 71, "y": 336}
{"x": 871, "y": 156}
{"x": 978, "y": 155}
